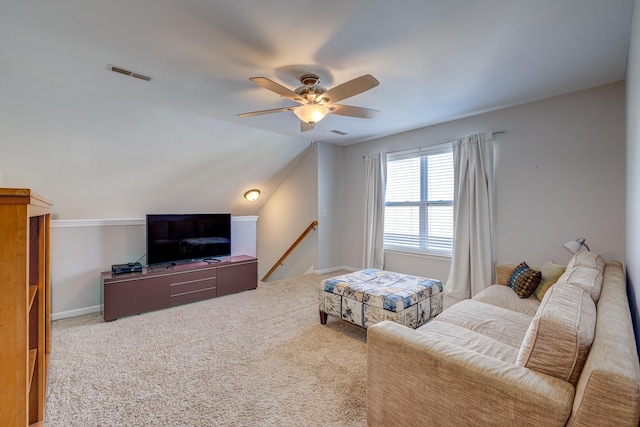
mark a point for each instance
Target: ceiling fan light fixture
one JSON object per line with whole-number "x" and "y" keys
{"x": 316, "y": 101}
{"x": 311, "y": 113}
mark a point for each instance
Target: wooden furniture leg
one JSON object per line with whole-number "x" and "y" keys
{"x": 323, "y": 318}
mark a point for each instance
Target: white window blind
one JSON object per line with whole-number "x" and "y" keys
{"x": 419, "y": 201}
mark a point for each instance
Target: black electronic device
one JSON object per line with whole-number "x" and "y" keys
{"x": 178, "y": 238}
{"x": 131, "y": 267}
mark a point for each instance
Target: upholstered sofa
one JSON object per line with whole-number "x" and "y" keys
{"x": 568, "y": 358}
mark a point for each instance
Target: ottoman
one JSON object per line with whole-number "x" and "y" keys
{"x": 367, "y": 297}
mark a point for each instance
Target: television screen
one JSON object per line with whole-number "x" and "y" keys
{"x": 187, "y": 237}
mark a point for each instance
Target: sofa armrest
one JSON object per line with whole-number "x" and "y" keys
{"x": 413, "y": 378}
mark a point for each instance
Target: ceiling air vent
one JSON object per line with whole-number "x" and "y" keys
{"x": 130, "y": 73}
{"x": 339, "y": 132}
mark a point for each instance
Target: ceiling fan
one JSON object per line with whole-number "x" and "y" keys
{"x": 316, "y": 101}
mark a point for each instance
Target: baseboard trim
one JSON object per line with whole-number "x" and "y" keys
{"x": 341, "y": 267}
{"x": 76, "y": 312}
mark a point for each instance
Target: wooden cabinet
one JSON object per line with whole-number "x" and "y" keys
{"x": 124, "y": 296}
{"x": 24, "y": 306}
{"x": 237, "y": 278}
{"x": 162, "y": 287}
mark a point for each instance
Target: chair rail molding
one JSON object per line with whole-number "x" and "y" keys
{"x": 119, "y": 222}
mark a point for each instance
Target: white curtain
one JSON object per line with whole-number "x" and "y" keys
{"x": 373, "y": 250}
{"x": 472, "y": 260}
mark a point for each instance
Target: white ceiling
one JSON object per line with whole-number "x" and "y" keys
{"x": 436, "y": 60}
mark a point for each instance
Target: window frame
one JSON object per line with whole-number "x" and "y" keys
{"x": 425, "y": 244}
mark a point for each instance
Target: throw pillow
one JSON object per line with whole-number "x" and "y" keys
{"x": 560, "y": 335}
{"x": 524, "y": 280}
{"x": 551, "y": 272}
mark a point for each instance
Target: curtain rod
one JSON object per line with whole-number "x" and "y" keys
{"x": 436, "y": 145}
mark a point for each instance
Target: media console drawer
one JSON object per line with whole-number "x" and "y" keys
{"x": 193, "y": 296}
{"x": 160, "y": 287}
{"x": 192, "y": 286}
{"x": 192, "y": 275}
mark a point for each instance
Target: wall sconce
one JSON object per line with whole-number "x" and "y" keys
{"x": 574, "y": 246}
{"x": 252, "y": 195}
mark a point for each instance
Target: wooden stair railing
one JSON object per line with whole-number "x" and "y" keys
{"x": 278, "y": 263}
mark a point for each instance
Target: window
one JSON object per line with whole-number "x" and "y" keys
{"x": 418, "y": 213}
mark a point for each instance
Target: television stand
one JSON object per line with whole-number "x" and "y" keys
{"x": 158, "y": 287}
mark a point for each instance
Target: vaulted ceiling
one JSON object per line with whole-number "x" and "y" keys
{"x": 436, "y": 60}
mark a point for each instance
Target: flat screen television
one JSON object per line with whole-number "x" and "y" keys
{"x": 176, "y": 238}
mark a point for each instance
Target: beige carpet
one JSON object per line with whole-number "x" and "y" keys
{"x": 256, "y": 358}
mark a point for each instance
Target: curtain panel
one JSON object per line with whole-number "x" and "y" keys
{"x": 472, "y": 259}
{"x": 373, "y": 248}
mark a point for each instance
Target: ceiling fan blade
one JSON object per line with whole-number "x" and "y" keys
{"x": 348, "y": 110}
{"x": 261, "y": 112}
{"x": 276, "y": 88}
{"x": 351, "y": 88}
{"x": 304, "y": 126}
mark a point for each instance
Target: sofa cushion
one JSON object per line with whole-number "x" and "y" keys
{"x": 551, "y": 272}
{"x": 470, "y": 340}
{"x": 589, "y": 279}
{"x": 506, "y": 326}
{"x": 587, "y": 259}
{"x": 524, "y": 280}
{"x": 503, "y": 296}
{"x": 561, "y": 333}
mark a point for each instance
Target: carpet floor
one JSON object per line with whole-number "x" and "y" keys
{"x": 256, "y": 358}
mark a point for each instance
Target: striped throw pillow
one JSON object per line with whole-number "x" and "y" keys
{"x": 524, "y": 280}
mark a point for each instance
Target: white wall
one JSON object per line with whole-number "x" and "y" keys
{"x": 559, "y": 172}
{"x": 80, "y": 250}
{"x": 633, "y": 172}
{"x": 287, "y": 213}
{"x": 315, "y": 183}
{"x": 330, "y": 195}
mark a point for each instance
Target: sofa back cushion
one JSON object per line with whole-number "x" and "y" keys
{"x": 589, "y": 279}
{"x": 503, "y": 273}
{"x": 561, "y": 333}
{"x": 587, "y": 259}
